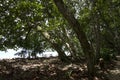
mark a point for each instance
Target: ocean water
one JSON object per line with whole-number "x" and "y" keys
{"x": 9, "y": 54}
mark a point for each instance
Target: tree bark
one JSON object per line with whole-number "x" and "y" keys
{"x": 61, "y": 54}
{"x": 97, "y": 41}
{"x": 70, "y": 44}
{"x": 87, "y": 49}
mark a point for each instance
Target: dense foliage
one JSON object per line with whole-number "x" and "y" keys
{"x": 79, "y": 27}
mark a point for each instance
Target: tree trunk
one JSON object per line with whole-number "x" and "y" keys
{"x": 89, "y": 52}
{"x": 61, "y": 54}
{"x": 69, "y": 44}
{"x": 97, "y": 41}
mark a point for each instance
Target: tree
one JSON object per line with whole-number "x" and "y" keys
{"x": 82, "y": 28}
{"x": 80, "y": 34}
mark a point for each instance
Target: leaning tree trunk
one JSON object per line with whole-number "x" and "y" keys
{"x": 56, "y": 46}
{"x": 61, "y": 54}
{"x": 69, "y": 44}
{"x": 89, "y": 52}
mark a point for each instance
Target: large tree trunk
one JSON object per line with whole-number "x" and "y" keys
{"x": 89, "y": 52}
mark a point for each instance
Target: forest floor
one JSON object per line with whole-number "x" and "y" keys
{"x": 53, "y": 69}
{"x": 114, "y": 74}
